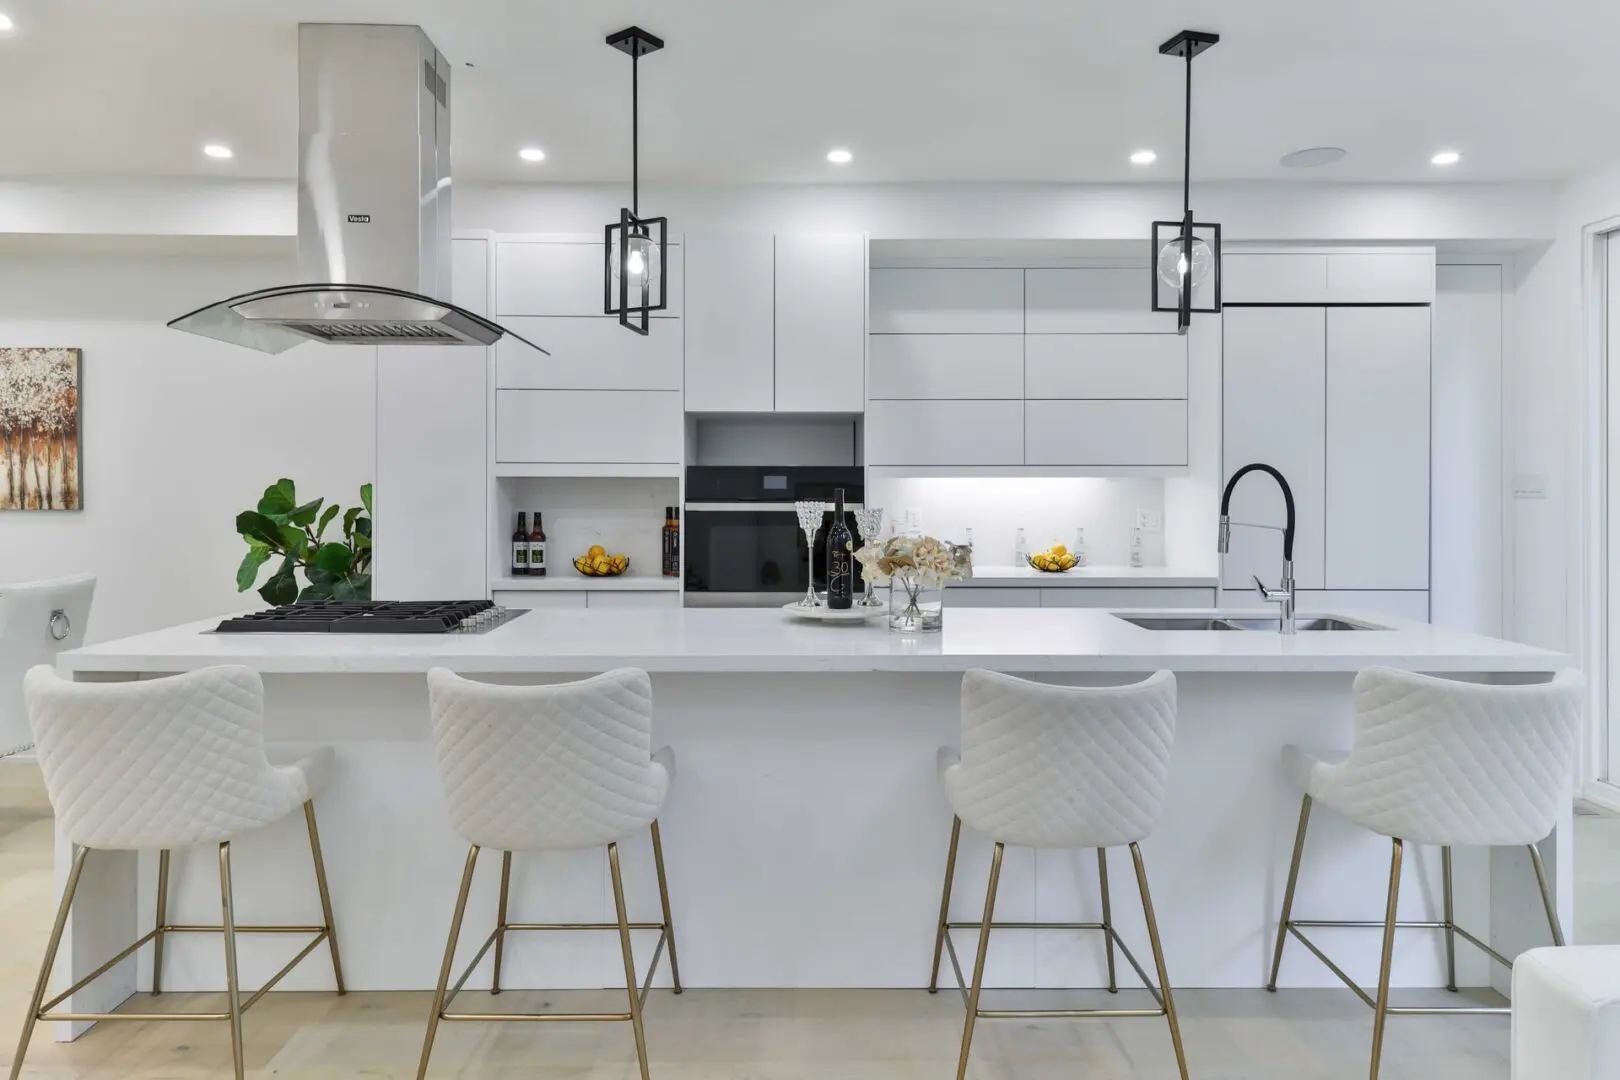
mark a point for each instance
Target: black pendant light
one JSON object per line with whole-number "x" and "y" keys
{"x": 636, "y": 257}
{"x": 1186, "y": 253}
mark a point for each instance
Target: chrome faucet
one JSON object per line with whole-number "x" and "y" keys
{"x": 1284, "y": 594}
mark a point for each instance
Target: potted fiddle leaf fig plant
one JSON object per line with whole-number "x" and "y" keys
{"x": 283, "y": 528}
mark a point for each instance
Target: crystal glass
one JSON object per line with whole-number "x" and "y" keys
{"x": 914, "y": 607}
{"x": 869, "y": 523}
{"x": 811, "y": 511}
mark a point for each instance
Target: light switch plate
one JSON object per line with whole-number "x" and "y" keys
{"x": 1150, "y": 521}
{"x": 1529, "y": 485}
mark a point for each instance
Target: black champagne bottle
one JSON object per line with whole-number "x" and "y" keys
{"x": 840, "y": 559}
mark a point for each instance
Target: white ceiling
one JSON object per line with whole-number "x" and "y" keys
{"x": 920, "y": 90}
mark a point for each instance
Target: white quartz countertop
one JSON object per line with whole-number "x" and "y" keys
{"x": 1096, "y": 577}
{"x": 746, "y": 640}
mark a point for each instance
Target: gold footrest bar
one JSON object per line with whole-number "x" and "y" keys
{"x": 495, "y": 934}
{"x": 582, "y": 926}
{"x": 1064, "y": 1014}
{"x": 143, "y": 1017}
{"x": 1370, "y": 924}
{"x": 1293, "y": 925}
{"x": 1053, "y": 1014}
{"x": 241, "y": 930}
{"x": 568, "y": 1018}
{"x": 1028, "y": 926}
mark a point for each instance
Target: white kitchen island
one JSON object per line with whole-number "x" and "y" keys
{"x": 806, "y": 830}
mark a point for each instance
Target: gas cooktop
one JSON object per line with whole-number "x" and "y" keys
{"x": 374, "y": 617}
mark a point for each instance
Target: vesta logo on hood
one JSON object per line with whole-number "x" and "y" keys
{"x": 359, "y": 219}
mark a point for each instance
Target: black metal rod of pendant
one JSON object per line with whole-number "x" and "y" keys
{"x": 1184, "y": 307}
{"x": 1186, "y": 148}
{"x": 635, "y": 130}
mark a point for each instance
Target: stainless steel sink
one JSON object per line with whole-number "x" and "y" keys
{"x": 1216, "y": 622}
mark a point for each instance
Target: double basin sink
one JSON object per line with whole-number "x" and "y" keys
{"x": 1221, "y": 622}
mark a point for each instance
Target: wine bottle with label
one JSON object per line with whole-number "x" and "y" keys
{"x": 537, "y": 548}
{"x": 520, "y": 547}
{"x": 840, "y": 559}
{"x": 673, "y": 567}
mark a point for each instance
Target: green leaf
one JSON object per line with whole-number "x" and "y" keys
{"x": 248, "y": 572}
{"x": 362, "y": 586}
{"x": 350, "y": 516}
{"x": 317, "y": 576}
{"x": 314, "y": 594}
{"x": 279, "y": 499}
{"x": 326, "y": 519}
{"x": 365, "y": 497}
{"x": 362, "y": 527}
{"x": 343, "y": 589}
{"x": 305, "y": 515}
{"x": 335, "y": 559}
{"x": 282, "y": 588}
{"x": 362, "y": 541}
{"x": 259, "y": 529}
{"x": 292, "y": 540}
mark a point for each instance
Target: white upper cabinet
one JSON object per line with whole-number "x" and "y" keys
{"x": 588, "y": 426}
{"x": 1114, "y": 434}
{"x": 565, "y": 277}
{"x": 1366, "y": 276}
{"x": 947, "y": 301}
{"x": 730, "y": 322}
{"x": 1105, "y": 366}
{"x": 1091, "y": 302}
{"x": 942, "y": 366}
{"x": 821, "y": 323}
{"x": 945, "y": 433}
{"x": 1378, "y": 364}
{"x": 589, "y": 354}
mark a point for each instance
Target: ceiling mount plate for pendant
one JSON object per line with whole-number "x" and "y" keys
{"x": 634, "y": 41}
{"x": 1188, "y": 43}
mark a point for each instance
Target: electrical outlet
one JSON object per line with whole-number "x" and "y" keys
{"x": 1151, "y": 521}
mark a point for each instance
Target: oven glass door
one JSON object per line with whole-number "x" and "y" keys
{"x": 747, "y": 548}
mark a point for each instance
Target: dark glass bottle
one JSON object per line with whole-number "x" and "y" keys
{"x": 674, "y": 543}
{"x": 520, "y": 547}
{"x": 840, "y": 559}
{"x": 537, "y": 548}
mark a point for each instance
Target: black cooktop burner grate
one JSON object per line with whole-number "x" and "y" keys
{"x": 360, "y": 617}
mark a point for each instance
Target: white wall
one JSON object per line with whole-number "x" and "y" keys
{"x": 180, "y": 433}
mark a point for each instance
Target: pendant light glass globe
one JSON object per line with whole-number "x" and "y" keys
{"x": 1174, "y": 266}
{"x": 642, "y": 262}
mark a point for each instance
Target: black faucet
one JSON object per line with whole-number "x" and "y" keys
{"x": 1284, "y": 595}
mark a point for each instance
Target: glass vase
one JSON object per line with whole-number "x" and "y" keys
{"x": 915, "y": 607}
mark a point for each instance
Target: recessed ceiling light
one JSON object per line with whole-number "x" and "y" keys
{"x": 1446, "y": 157}
{"x": 6, "y": 25}
{"x": 1312, "y": 157}
{"x": 532, "y": 153}
{"x": 1144, "y": 157}
{"x": 218, "y": 150}
{"x": 840, "y": 157}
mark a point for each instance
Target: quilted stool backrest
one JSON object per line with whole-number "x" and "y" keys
{"x": 1446, "y": 762}
{"x": 153, "y": 764}
{"x": 529, "y": 768}
{"x": 1064, "y": 766}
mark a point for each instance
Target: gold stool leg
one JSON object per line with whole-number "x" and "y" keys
{"x": 500, "y": 921}
{"x": 1451, "y": 920}
{"x": 326, "y": 896}
{"x": 1546, "y": 894}
{"x": 978, "y": 962}
{"x": 233, "y": 997}
{"x": 449, "y": 960}
{"x": 629, "y": 961}
{"x": 161, "y": 919}
{"x": 1158, "y": 960}
{"x": 1288, "y": 893}
{"x": 663, "y": 896}
{"x": 44, "y": 979}
{"x": 1107, "y": 917}
{"x": 945, "y": 905}
{"x": 1381, "y": 1009}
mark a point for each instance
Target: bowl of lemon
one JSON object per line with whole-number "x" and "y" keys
{"x": 1054, "y": 560}
{"x": 598, "y": 563}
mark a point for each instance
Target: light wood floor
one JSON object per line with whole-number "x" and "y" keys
{"x": 708, "y": 1034}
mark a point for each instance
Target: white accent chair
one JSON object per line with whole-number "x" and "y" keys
{"x": 1566, "y": 1013}
{"x": 548, "y": 768}
{"x": 1438, "y": 761}
{"x": 38, "y": 619}
{"x": 1058, "y": 767}
{"x": 158, "y": 765}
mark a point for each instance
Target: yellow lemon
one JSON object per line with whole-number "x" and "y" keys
{"x": 596, "y": 549}
{"x": 1059, "y": 550}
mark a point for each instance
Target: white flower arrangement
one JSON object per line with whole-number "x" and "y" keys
{"x": 920, "y": 559}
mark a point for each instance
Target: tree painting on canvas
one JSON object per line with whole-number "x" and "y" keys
{"x": 39, "y": 430}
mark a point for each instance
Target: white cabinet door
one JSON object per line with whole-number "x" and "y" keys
{"x": 617, "y": 426}
{"x": 1381, "y": 277}
{"x": 618, "y": 600}
{"x": 1105, "y": 366}
{"x": 1274, "y": 411}
{"x": 589, "y": 354}
{"x": 945, "y": 433}
{"x": 821, "y": 322}
{"x": 730, "y": 322}
{"x": 564, "y": 278}
{"x": 1105, "y": 433}
{"x": 976, "y": 597}
{"x": 1377, "y": 448}
{"x": 1091, "y": 302}
{"x": 1396, "y": 276}
{"x": 1403, "y": 605}
{"x": 1280, "y": 278}
{"x": 1110, "y": 597}
{"x": 933, "y": 366}
{"x": 533, "y": 601}
{"x": 947, "y": 301}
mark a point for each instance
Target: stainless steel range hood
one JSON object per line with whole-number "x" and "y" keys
{"x": 373, "y": 204}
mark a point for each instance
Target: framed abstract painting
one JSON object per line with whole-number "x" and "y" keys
{"x": 40, "y": 464}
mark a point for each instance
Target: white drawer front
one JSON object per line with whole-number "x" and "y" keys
{"x": 589, "y": 354}
{"x": 1085, "y": 597}
{"x": 945, "y": 433}
{"x": 1091, "y": 302}
{"x": 606, "y": 600}
{"x": 538, "y": 601}
{"x": 1381, "y": 277}
{"x": 932, "y": 301}
{"x": 1281, "y": 278}
{"x": 548, "y": 278}
{"x": 621, "y": 426}
{"x": 976, "y": 597}
{"x": 911, "y": 366}
{"x": 1106, "y": 433}
{"x": 1105, "y": 366}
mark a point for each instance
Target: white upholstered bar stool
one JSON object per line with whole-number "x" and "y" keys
{"x": 550, "y": 768}
{"x": 163, "y": 764}
{"x": 1438, "y": 761}
{"x": 1058, "y": 767}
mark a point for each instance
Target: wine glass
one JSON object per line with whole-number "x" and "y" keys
{"x": 811, "y": 511}
{"x": 869, "y": 523}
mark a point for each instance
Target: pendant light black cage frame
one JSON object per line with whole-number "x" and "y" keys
{"x": 634, "y": 305}
{"x": 1186, "y": 45}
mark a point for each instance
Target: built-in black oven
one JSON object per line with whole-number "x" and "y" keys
{"x": 741, "y": 534}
